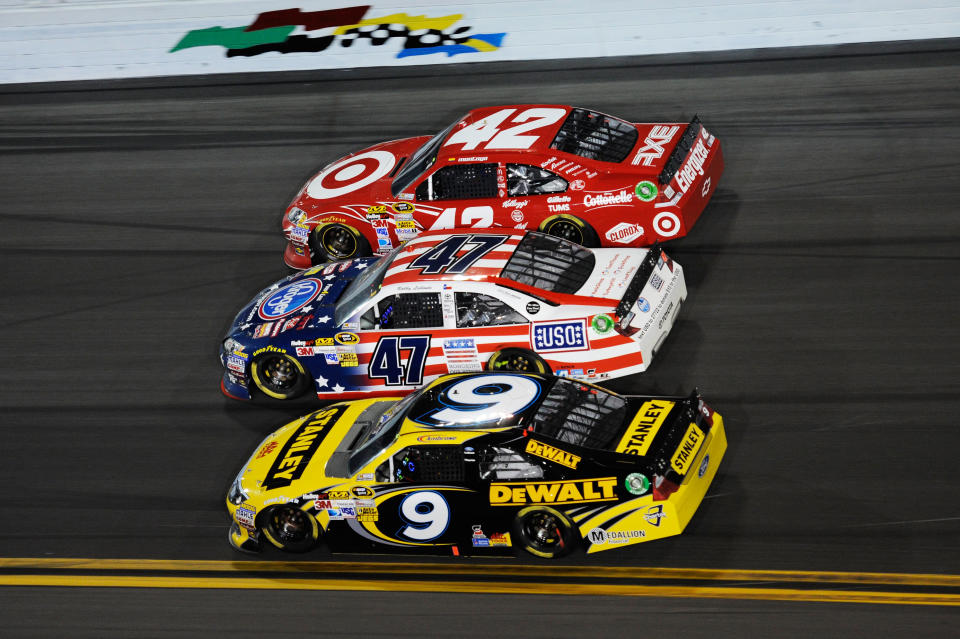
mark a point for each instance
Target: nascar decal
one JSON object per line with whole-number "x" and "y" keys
{"x": 579, "y": 491}
{"x": 293, "y": 458}
{"x": 550, "y": 453}
{"x": 272, "y": 31}
{"x": 641, "y": 431}
{"x": 565, "y": 335}
{"x": 289, "y": 299}
{"x": 687, "y": 451}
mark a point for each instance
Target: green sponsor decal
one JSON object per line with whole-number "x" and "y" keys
{"x": 646, "y": 191}
{"x": 636, "y": 484}
{"x": 602, "y": 323}
{"x": 235, "y": 38}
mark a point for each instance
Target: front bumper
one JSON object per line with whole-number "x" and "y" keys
{"x": 297, "y": 256}
{"x": 234, "y": 384}
{"x": 243, "y": 540}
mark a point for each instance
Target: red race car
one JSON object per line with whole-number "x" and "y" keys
{"x": 578, "y": 174}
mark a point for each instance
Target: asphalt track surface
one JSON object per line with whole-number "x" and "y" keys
{"x": 821, "y": 322}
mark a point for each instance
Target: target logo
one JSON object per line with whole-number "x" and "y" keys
{"x": 666, "y": 224}
{"x": 351, "y": 174}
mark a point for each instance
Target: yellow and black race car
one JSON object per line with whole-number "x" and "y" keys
{"x": 481, "y": 463}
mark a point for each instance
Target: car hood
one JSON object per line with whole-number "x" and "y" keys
{"x": 313, "y": 292}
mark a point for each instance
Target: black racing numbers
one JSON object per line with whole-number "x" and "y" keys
{"x": 387, "y": 360}
{"x": 443, "y": 257}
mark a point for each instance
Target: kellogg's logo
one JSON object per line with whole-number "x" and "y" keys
{"x": 289, "y": 299}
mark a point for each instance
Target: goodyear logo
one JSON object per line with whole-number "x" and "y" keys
{"x": 644, "y": 427}
{"x": 554, "y": 492}
{"x": 687, "y": 450}
{"x": 303, "y": 443}
{"x": 550, "y": 453}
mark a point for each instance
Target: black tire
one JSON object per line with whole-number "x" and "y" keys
{"x": 571, "y": 228}
{"x": 279, "y": 375}
{"x": 544, "y": 532}
{"x": 333, "y": 241}
{"x": 289, "y": 528}
{"x": 519, "y": 360}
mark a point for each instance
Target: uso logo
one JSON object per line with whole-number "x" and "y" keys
{"x": 560, "y": 336}
{"x": 289, "y": 299}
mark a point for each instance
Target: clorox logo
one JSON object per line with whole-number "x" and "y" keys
{"x": 289, "y": 299}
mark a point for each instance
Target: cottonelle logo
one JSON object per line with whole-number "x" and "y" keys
{"x": 607, "y": 199}
{"x": 554, "y": 492}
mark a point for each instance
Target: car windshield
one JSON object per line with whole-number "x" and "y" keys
{"x": 381, "y": 433}
{"x": 420, "y": 161}
{"x": 580, "y": 414}
{"x": 360, "y": 290}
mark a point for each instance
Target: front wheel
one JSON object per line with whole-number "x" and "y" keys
{"x": 279, "y": 375}
{"x": 333, "y": 241}
{"x": 517, "y": 359}
{"x": 570, "y": 228}
{"x": 290, "y": 529}
{"x": 544, "y": 532}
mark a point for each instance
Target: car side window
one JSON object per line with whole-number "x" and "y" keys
{"x": 523, "y": 179}
{"x": 476, "y": 309}
{"x": 498, "y": 463}
{"x": 410, "y": 310}
{"x": 460, "y": 182}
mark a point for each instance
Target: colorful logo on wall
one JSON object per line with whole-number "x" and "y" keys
{"x": 271, "y": 31}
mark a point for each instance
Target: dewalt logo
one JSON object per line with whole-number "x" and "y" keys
{"x": 555, "y": 492}
{"x": 687, "y": 450}
{"x": 550, "y": 453}
{"x": 644, "y": 427}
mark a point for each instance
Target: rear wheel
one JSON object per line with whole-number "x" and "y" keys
{"x": 334, "y": 241}
{"x": 544, "y": 532}
{"x": 570, "y": 228}
{"x": 290, "y": 529}
{"x": 517, "y": 359}
{"x": 279, "y": 375}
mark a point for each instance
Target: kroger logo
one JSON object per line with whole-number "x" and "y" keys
{"x": 289, "y": 299}
{"x": 560, "y": 336}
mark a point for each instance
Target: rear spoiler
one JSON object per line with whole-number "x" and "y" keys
{"x": 679, "y": 153}
{"x": 639, "y": 280}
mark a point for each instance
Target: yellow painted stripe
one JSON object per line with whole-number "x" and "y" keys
{"x": 464, "y": 568}
{"x": 259, "y": 583}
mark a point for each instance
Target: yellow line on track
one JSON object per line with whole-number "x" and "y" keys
{"x": 260, "y": 583}
{"x": 465, "y": 568}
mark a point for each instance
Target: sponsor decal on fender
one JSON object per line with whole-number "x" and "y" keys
{"x": 653, "y": 146}
{"x": 347, "y": 338}
{"x": 554, "y": 492}
{"x": 693, "y": 166}
{"x": 559, "y": 336}
{"x": 641, "y": 431}
{"x": 624, "y": 233}
{"x": 599, "y": 536}
{"x": 687, "y": 450}
{"x": 607, "y": 199}
{"x": 550, "y": 453}
{"x": 292, "y": 459}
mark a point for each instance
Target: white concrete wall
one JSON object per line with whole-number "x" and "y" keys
{"x": 44, "y": 40}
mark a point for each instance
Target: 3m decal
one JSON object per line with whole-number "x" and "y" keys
{"x": 556, "y": 492}
{"x": 641, "y": 431}
{"x": 550, "y": 453}
{"x": 444, "y": 257}
{"x": 489, "y": 133}
{"x": 481, "y": 400}
{"x": 297, "y": 451}
{"x": 426, "y": 514}
{"x": 559, "y": 336}
{"x": 289, "y": 299}
{"x": 272, "y": 32}
{"x": 687, "y": 450}
{"x": 387, "y": 362}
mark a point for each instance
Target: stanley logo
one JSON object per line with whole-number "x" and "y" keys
{"x": 644, "y": 427}
{"x": 554, "y": 492}
{"x": 687, "y": 450}
{"x": 550, "y": 453}
{"x": 296, "y": 453}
